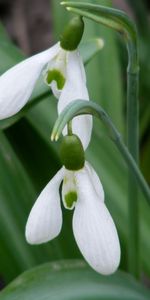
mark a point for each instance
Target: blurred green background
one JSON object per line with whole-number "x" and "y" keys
{"x": 28, "y": 159}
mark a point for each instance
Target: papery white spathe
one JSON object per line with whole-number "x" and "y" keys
{"x": 17, "y": 84}
{"x": 93, "y": 227}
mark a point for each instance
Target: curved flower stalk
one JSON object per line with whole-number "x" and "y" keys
{"x": 93, "y": 227}
{"x": 64, "y": 73}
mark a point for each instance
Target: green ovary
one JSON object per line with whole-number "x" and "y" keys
{"x": 70, "y": 198}
{"x": 56, "y": 76}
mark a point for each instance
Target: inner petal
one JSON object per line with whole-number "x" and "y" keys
{"x": 55, "y": 73}
{"x": 69, "y": 193}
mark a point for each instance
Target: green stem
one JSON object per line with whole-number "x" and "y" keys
{"x": 69, "y": 127}
{"x": 119, "y": 21}
{"x": 133, "y": 146}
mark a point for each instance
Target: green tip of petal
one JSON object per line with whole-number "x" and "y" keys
{"x": 55, "y": 75}
{"x": 70, "y": 199}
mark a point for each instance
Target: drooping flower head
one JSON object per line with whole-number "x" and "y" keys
{"x": 63, "y": 71}
{"x": 93, "y": 226}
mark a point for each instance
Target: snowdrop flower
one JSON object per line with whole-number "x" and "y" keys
{"x": 93, "y": 226}
{"x": 64, "y": 73}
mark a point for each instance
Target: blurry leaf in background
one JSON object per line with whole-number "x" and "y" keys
{"x": 73, "y": 279}
{"x": 15, "y": 187}
{"x": 140, "y": 13}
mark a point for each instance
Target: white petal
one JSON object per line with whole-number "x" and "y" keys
{"x": 17, "y": 83}
{"x": 94, "y": 229}
{"x": 45, "y": 220}
{"x": 75, "y": 88}
{"x": 95, "y": 181}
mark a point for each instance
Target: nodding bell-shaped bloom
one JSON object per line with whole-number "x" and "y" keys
{"x": 93, "y": 226}
{"x": 63, "y": 71}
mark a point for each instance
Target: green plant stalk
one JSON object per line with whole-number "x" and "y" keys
{"x": 119, "y": 21}
{"x": 79, "y": 107}
{"x": 133, "y": 146}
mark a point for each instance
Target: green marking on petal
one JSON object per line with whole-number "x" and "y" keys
{"x": 70, "y": 198}
{"x": 56, "y": 76}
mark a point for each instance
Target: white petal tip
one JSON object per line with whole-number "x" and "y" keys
{"x": 107, "y": 266}
{"x": 30, "y": 240}
{"x": 34, "y": 236}
{"x": 36, "y": 239}
{"x": 29, "y": 236}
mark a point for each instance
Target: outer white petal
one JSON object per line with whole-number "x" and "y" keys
{"x": 45, "y": 220}
{"x": 94, "y": 229}
{"x": 17, "y": 83}
{"x": 75, "y": 88}
{"x": 95, "y": 181}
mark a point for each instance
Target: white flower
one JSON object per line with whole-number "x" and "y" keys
{"x": 64, "y": 73}
{"x": 93, "y": 227}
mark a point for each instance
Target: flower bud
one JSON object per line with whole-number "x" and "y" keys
{"x": 72, "y": 34}
{"x": 72, "y": 153}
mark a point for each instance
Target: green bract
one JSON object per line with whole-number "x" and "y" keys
{"x": 72, "y": 34}
{"x": 72, "y": 153}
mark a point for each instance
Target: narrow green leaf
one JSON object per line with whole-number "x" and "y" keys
{"x": 14, "y": 186}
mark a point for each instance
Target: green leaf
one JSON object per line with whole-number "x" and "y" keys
{"x": 73, "y": 279}
{"x": 14, "y": 187}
